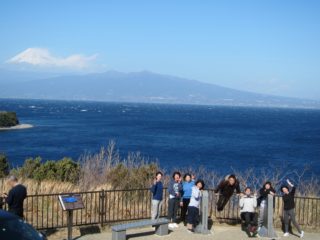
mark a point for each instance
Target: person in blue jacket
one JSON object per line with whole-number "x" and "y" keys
{"x": 157, "y": 191}
{"x": 175, "y": 193}
{"x": 187, "y": 185}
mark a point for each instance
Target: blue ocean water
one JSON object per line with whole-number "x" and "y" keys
{"x": 218, "y": 138}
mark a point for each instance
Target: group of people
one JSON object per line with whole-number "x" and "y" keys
{"x": 185, "y": 194}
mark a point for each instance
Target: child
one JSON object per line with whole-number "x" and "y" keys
{"x": 262, "y": 200}
{"x": 288, "y": 209}
{"x": 187, "y": 190}
{"x": 226, "y": 189}
{"x": 193, "y": 208}
{"x": 157, "y": 191}
{"x": 248, "y": 204}
{"x": 175, "y": 192}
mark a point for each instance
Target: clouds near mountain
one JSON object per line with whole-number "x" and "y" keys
{"x": 42, "y": 57}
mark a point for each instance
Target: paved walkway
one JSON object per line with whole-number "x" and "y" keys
{"x": 221, "y": 232}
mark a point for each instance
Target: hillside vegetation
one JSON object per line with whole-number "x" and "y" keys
{"x": 108, "y": 170}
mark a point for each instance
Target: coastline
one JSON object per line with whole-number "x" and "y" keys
{"x": 17, "y": 127}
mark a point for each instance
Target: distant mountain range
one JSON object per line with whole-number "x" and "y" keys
{"x": 134, "y": 87}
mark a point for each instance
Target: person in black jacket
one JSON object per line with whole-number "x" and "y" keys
{"x": 288, "y": 209}
{"x": 16, "y": 196}
{"x": 262, "y": 200}
{"x": 226, "y": 188}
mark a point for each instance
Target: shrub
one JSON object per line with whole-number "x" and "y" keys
{"x": 4, "y": 166}
{"x": 62, "y": 170}
{"x": 29, "y": 168}
{"x": 67, "y": 170}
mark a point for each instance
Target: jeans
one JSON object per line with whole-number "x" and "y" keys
{"x": 193, "y": 216}
{"x": 289, "y": 214}
{"x": 173, "y": 209}
{"x": 184, "y": 209}
{"x": 222, "y": 202}
{"x": 155, "y": 209}
{"x": 250, "y": 218}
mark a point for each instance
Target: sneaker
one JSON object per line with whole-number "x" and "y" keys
{"x": 175, "y": 225}
{"x": 190, "y": 230}
{"x": 286, "y": 234}
{"x": 170, "y": 225}
{"x": 302, "y": 234}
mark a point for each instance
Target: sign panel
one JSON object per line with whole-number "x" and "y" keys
{"x": 71, "y": 202}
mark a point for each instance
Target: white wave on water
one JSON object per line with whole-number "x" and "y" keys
{"x": 20, "y": 126}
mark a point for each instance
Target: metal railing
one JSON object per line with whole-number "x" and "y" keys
{"x": 109, "y": 206}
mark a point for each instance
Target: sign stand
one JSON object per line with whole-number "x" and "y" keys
{"x": 267, "y": 230}
{"x": 69, "y": 203}
{"x": 70, "y": 218}
{"x": 202, "y": 227}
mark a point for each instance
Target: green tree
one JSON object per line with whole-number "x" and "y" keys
{"x": 29, "y": 168}
{"x": 8, "y": 119}
{"x": 67, "y": 170}
{"x": 4, "y": 166}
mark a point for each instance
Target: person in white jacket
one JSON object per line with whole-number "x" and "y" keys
{"x": 193, "y": 208}
{"x": 248, "y": 205}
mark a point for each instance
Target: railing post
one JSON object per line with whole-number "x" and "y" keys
{"x": 202, "y": 227}
{"x": 102, "y": 207}
{"x": 267, "y": 230}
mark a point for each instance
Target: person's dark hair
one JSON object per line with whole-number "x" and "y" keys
{"x": 284, "y": 186}
{"x": 178, "y": 173}
{"x": 232, "y": 176}
{"x": 159, "y": 173}
{"x": 267, "y": 182}
{"x": 202, "y": 183}
{"x": 186, "y": 175}
{"x": 247, "y": 188}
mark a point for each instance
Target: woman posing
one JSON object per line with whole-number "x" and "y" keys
{"x": 157, "y": 192}
{"x": 193, "y": 209}
{"x": 226, "y": 188}
{"x": 288, "y": 208}
{"x": 262, "y": 201}
{"x": 187, "y": 185}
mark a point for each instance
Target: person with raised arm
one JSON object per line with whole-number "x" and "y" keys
{"x": 288, "y": 208}
{"x": 226, "y": 188}
{"x": 157, "y": 192}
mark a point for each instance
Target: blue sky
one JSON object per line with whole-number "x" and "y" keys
{"x": 262, "y": 46}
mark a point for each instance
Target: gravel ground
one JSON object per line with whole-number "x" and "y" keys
{"x": 221, "y": 232}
